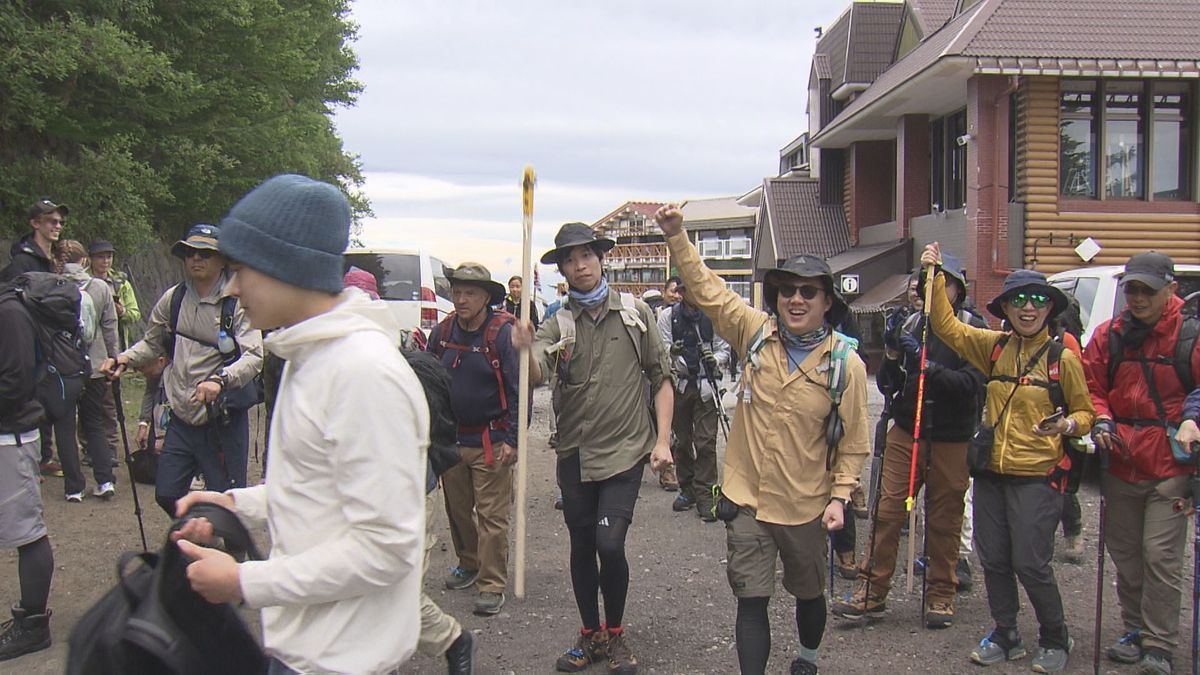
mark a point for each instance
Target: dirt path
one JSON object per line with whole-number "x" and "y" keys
{"x": 680, "y": 613}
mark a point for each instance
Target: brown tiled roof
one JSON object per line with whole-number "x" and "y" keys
{"x": 932, "y": 14}
{"x": 873, "y": 30}
{"x": 800, "y": 223}
{"x": 644, "y": 208}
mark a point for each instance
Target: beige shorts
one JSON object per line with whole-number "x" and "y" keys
{"x": 754, "y": 545}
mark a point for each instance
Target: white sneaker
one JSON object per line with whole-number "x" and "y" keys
{"x": 75, "y": 497}
{"x": 105, "y": 491}
{"x": 198, "y": 483}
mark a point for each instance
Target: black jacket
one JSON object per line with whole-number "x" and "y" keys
{"x": 19, "y": 410}
{"x": 952, "y": 388}
{"x": 26, "y": 257}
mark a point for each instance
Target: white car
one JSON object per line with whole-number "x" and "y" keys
{"x": 413, "y": 283}
{"x": 1100, "y": 297}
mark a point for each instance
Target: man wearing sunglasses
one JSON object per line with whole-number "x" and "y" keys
{"x": 201, "y": 435}
{"x": 1138, "y": 368}
{"x": 33, "y": 252}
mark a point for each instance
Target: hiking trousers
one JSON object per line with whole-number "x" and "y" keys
{"x": 91, "y": 428}
{"x": 1146, "y": 533}
{"x": 695, "y": 449}
{"x": 217, "y": 450}
{"x": 439, "y": 630}
{"x": 942, "y": 469}
{"x": 478, "y": 504}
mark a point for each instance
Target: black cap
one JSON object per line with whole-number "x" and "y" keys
{"x": 100, "y": 246}
{"x": 1152, "y": 268}
{"x": 571, "y": 235}
{"x": 44, "y": 205}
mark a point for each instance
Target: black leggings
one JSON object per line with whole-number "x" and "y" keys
{"x": 605, "y": 543}
{"x": 753, "y": 630}
{"x": 35, "y": 567}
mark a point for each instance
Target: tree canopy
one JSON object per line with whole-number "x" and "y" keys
{"x": 146, "y": 116}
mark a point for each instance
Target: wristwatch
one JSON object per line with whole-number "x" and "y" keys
{"x": 838, "y": 499}
{"x": 220, "y": 378}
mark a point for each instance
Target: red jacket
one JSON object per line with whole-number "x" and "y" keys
{"x": 1149, "y": 450}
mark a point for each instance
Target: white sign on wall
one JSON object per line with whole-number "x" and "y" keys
{"x": 849, "y": 284}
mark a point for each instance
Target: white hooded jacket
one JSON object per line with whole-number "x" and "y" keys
{"x": 344, "y": 500}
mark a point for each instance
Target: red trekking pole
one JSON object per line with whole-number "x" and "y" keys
{"x": 912, "y": 469}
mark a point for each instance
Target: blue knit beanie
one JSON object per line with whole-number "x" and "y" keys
{"x": 291, "y": 228}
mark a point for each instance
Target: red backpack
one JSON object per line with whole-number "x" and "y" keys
{"x": 445, "y": 330}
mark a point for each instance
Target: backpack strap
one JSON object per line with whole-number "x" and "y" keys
{"x": 1185, "y": 344}
{"x": 228, "y": 307}
{"x": 835, "y": 430}
{"x": 630, "y": 316}
{"x": 438, "y": 347}
{"x": 177, "y": 294}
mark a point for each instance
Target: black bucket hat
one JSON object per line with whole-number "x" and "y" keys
{"x": 478, "y": 275}
{"x": 1024, "y": 281}
{"x": 572, "y": 235}
{"x": 806, "y": 266}
{"x": 953, "y": 269}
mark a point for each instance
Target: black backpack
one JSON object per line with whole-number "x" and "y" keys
{"x": 443, "y": 425}
{"x": 52, "y": 301}
{"x": 152, "y": 622}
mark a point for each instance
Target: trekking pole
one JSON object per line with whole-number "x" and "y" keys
{"x": 875, "y": 488}
{"x": 832, "y": 594}
{"x": 722, "y": 419}
{"x": 912, "y": 469}
{"x": 1102, "y": 457}
{"x": 137, "y": 505}
{"x": 1195, "y": 448}
{"x": 925, "y": 535}
{"x": 528, "y": 181}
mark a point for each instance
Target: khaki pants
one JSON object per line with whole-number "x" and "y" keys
{"x": 439, "y": 630}
{"x": 945, "y": 483}
{"x": 478, "y": 503}
{"x": 1146, "y": 534}
{"x": 695, "y": 450}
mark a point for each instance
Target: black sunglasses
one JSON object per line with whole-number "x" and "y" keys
{"x": 806, "y": 292}
{"x": 202, "y": 254}
{"x": 1021, "y": 299}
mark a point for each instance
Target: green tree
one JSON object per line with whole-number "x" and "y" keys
{"x": 146, "y": 116}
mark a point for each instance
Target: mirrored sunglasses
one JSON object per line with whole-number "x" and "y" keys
{"x": 806, "y": 292}
{"x": 1021, "y": 299}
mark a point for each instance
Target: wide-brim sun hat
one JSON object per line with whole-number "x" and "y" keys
{"x": 811, "y": 267}
{"x": 571, "y": 235}
{"x": 1027, "y": 281}
{"x": 202, "y": 237}
{"x": 478, "y": 275}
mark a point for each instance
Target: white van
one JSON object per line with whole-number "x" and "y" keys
{"x": 413, "y": 283}
{"x": 1100, "y": 297}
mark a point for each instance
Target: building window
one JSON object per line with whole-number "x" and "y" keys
{"x": 712, "y": 245}
{"x": 947, "y": 163}
{"x": 1142, "y": 127}
{"x": 742, "y": 288}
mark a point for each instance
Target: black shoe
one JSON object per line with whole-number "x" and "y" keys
{"x": 683, "y": 502}
{"x": 802, "y": 667}
{"x": 963, "y": 572}
{"x": 24, "y": 634}
{"x": 460, "y": 657}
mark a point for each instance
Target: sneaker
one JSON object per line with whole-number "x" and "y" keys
{"x": 802, "y": 667}
{"x": 995, "y": 648}
{"x": 682, "y": 503}
{"x": 489, "y": 603}
{"x": 1073, "y": 551}
{"x": 667, "y": 479}
{"x": 962, "y": 572}
{"x": 939, "y": 615}
{"x": 588, "y": 649}
{"x": 24, "y": 633}
{"x": 459, "y": 578}
{"x": 105, "y": 491}
{"x": 847, "y": 565}
{"x": 1155, "y": 662}
{"x": 1128, "y": 649}
{"x": 75, "y": 497}
{"x": 855, "y": 606}
{"x": 858, "y": 503}
{"x": 460, "y": 657}
{"x": 620, "y": 658}
{"x": 197, "y": 484}
{"x": 51, "y": 468}
{"x": 1052, "y": 659}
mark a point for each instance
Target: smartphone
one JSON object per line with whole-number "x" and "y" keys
{"x": 1049, "y": 420}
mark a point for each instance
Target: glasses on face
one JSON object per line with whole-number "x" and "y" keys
{"x": 806, "y": 292}
{"x": 1021, "y": 299}
{"x": 1138, "y": 289}
{"x": 201, "y": 254}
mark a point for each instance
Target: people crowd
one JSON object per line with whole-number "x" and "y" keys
{"x": 986, "y": 432}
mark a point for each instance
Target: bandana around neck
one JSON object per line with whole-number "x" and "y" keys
{"x": 808, "y": 341}
{"x": 593, "y": 298}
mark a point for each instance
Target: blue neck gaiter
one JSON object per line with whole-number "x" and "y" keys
{"x": 593, "y": 298}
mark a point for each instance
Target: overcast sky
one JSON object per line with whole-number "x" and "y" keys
{"x": 659, "y": 100}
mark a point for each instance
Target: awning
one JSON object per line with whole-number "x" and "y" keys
{"x": 860, "y": 255}
{"x": 881, "y": 294}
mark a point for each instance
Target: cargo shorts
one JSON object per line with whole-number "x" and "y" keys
{"x": 20, "y": 490}
{"x": 754, "y": 545}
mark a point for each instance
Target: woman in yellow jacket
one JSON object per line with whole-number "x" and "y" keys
{"x": 1018, "y": 490}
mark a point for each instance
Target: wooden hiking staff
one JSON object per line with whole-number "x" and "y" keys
{"x": 916, "y": 446}
{"x": 528, "y": 181}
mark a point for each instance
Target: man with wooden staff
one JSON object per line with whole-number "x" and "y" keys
{"x": 598, "y": 351}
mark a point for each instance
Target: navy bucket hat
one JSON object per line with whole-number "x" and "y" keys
{"x": 1027, "y": 281}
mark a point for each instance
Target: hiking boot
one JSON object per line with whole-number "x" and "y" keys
{"x": 858, "y": 503}
{"x": 683, "y": 503}
{"x": 75, "y": 497}
{"x": 51, "y": 468}
{"x": 667, "y": 479}
{"x": 459, "y": 578}
{"x": 1073, "y": 550}
{"x": 1155, "y": 662}
{"x": 802, "y": 667}
{"x": 588, "y": 649}
{"x": 962, "y": 572}
{"x": 1128, "y": 649}
{"x": 105, "y": 491}
{"x": 460, "y": 657}
{"x": 847, "y": 566}
{"x": 1052, "y": 659}
{"x": 939, "y": 615}
{"x": 998, "y": 648}
{"x": 25, "y": 633}
{"x": 488, "y": 603}
{"x": 706, "y": 512}
{"x": 620, "y": 658}
{"x": 856, "y": 607}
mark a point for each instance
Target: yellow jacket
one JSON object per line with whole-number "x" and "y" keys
{"x": 1018, "y": 451}
{"x": 775, "y": 460}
